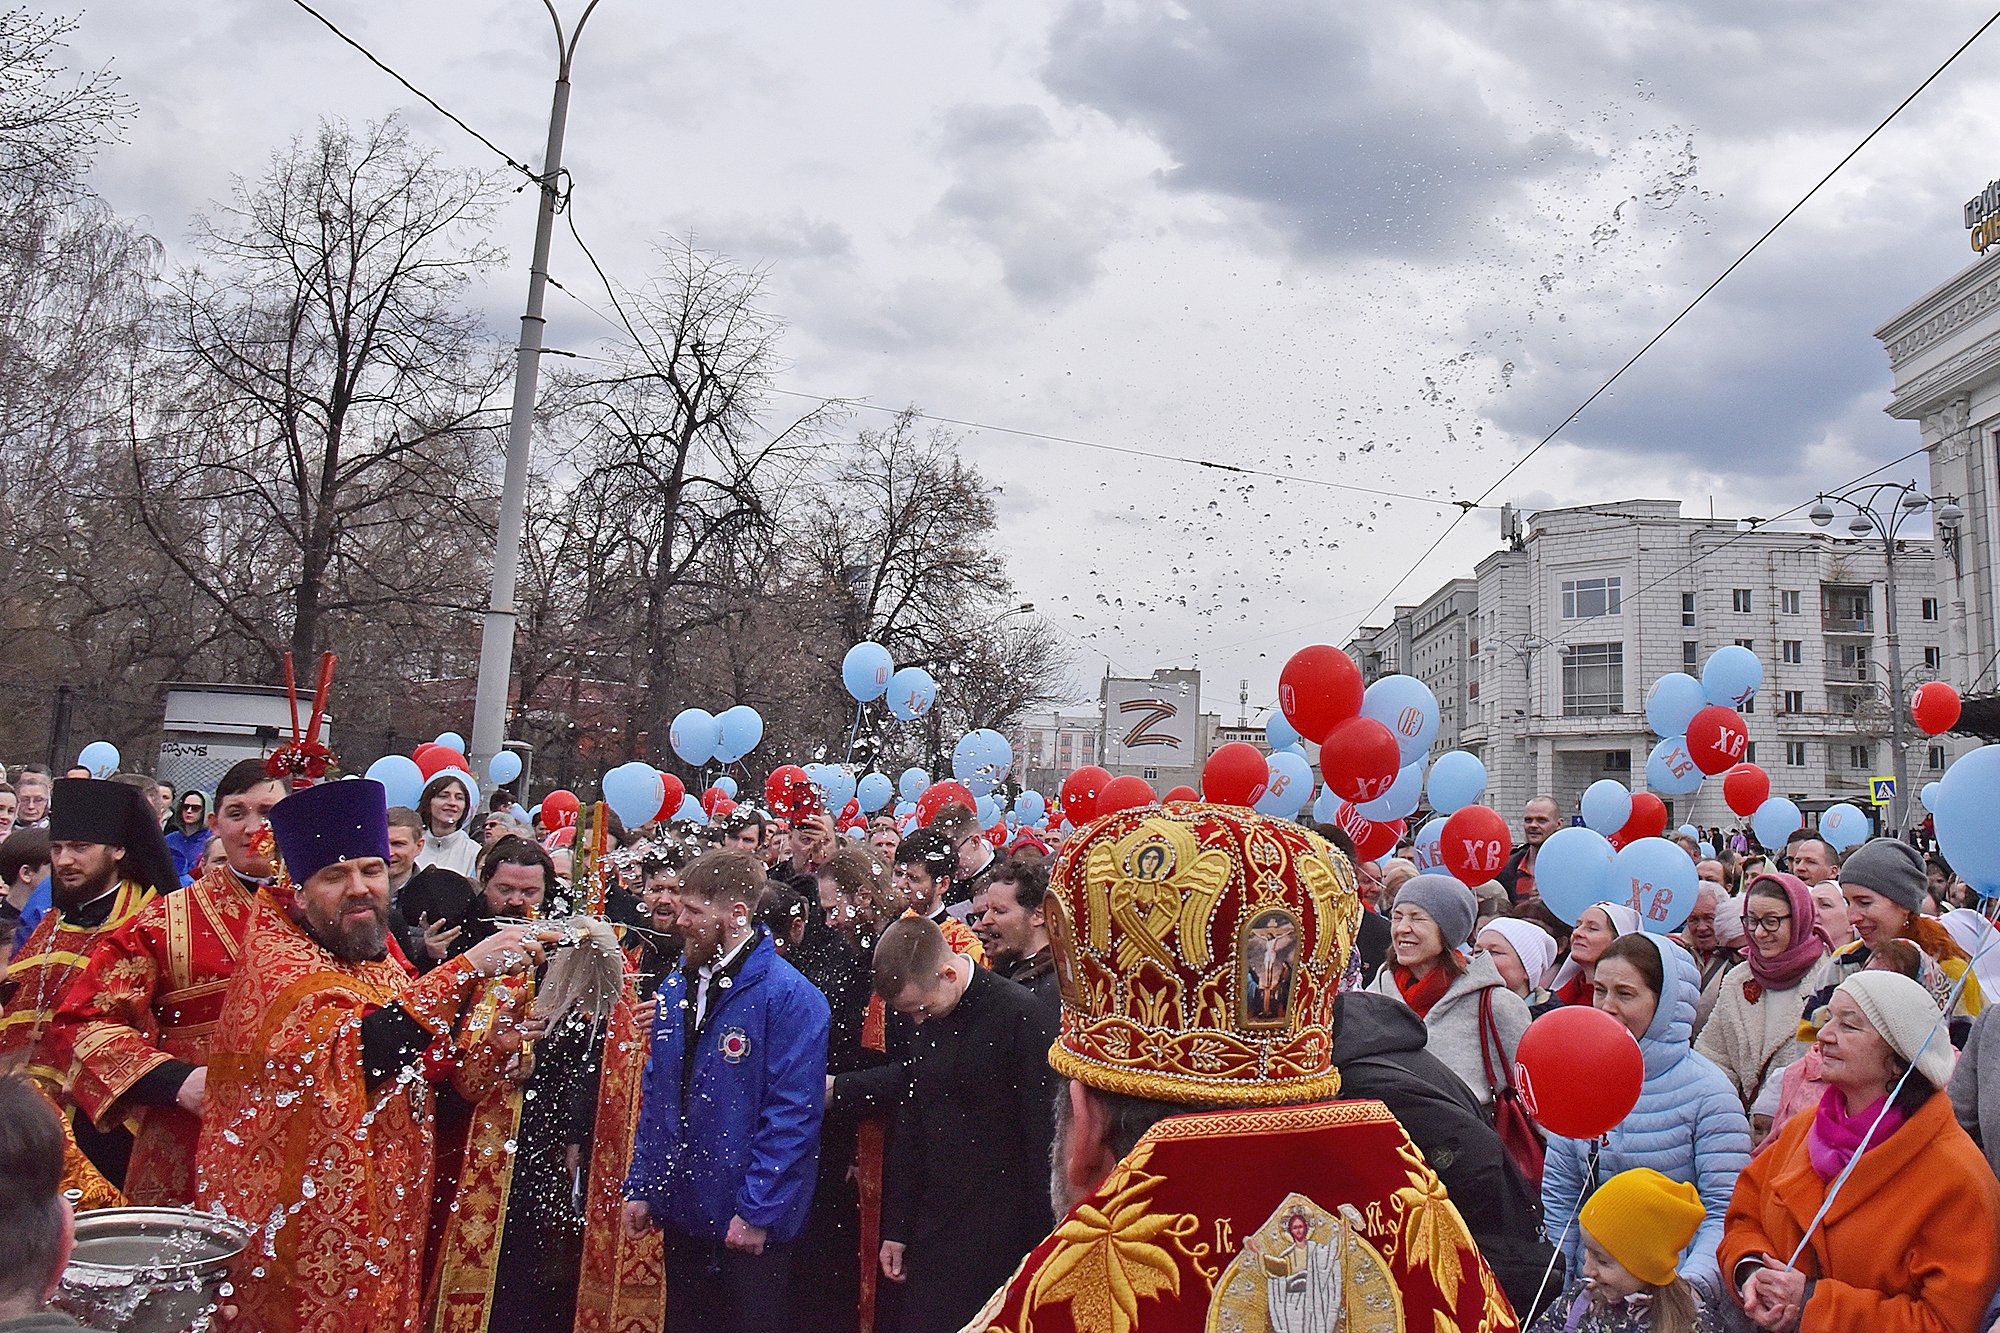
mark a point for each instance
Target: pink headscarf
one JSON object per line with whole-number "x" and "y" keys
{"x": 1808, "y": 945}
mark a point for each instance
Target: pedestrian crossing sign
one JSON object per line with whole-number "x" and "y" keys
{"x": 1881, "y": 791}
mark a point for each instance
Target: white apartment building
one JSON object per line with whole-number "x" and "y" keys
{"x": 1545, "y": 656}
{"x": 1049, "y": 746}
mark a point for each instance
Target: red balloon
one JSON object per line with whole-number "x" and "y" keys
{"x": 849, "y": 811}
{"x": 1935, "y": 707}
{"x": 1745, "y": 787}
{"x": 1079, "y": 794}
{"x": 1474, "y": 844}
{"x": 1124, "y": 794}
{"x": 997, "y": 835}
{"x": 1372, "y": 840}
{"x": 434, "y": 759}
{"x": 1360, "y": 759}
{"x": 1236, "y": 774}
{"x": 560, "y": 809}
{"x": 711, "y": 798}
{"x": 724, "y": 807}
{"x": 789, "y": 793}
{"x": 941, "y": 794}
{"x": 1647, "y": 820}
{"x": 672, "y": 792}
{"x": 1579, "y": 1071}
{"x": 1319, "y": 689}
{"x": 1182, "y": 794}
{"x": 1717, "y": 739}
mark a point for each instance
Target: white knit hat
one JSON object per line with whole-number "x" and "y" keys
{"x": 1903, "y": 1011}
{"x": 1535, "y": 947}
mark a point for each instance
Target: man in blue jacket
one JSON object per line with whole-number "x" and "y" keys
{"x": 729, "y": 1114}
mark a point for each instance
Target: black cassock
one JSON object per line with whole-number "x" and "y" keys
{"x": 966, "y": 1184}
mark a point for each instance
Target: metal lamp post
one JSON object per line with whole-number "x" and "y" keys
{"x": 1883, "y": 509}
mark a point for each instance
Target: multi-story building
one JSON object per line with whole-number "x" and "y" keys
{"x": 1542, "y": 661}
{"x": 1048, "y": 747}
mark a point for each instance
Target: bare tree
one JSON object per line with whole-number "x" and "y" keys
{"x": 323, "y": 439}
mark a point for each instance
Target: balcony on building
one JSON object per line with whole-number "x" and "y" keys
{"x": 1846, "y": 609}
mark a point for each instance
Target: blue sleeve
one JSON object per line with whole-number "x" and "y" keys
{"x": 1722, "y": 1150}
{"x": 655, "y": 1143}
{"x": 38, "y": 905}
{"x": 1562, "y": 1196}
{"x": 784, "y": 1152}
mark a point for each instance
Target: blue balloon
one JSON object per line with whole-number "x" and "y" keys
{"x": 866, "y": 670}
{"x": 693, "y": 735}
{"x": 1607, "y": 804}
{"x": 987, "y": 811}
{"x": 1689, "y": 831}
{"x": 904, "y": 809}
{"x": 1929, "y": 795}
{"x": 691, "y": 811}
{"x": 503, "y": 767}
{"x": 1776, "y": 820}
{"x": 402, "y": 781}
{"x": 1033, "y": 807}
{"x": 1426, "y": 852}
{"x": 1731, "y": 675}
{"x": 1406, "y": 706}
{"x": 911, "y": 693}
{"x": 1289, "y": 788}
{"x": 856, "y": 832}
{"x": 1279, "y": 732}
{"x": 727, "y": 786}
{"x": 1457, "y": 779}
{"x": 1654, "y": 878}
{"x": 1708, "y": 851}
{"x": 1400, "y": 801}
{"x": 450, "y": 740}
{"x": 1672, "y": 703}
{"x": 1843, "y": 826}
{"x": 874, "y": 792}
{"x": 1670, "y": 771}
{"x": 837, "y": 786}
{"x": 1965, "y": 802}
{"x": 914, "y": 783}
{"x": 981, "y": 760}
{"x": 737, "y": 731}
{"x": 1573, "y": 870}
{"x": 633, "y": 792}
{"x": 101, "y": 758}
{"x": 1326, "y": 806}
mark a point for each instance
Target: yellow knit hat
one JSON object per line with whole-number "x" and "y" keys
{"x": 1644, "y": 1221}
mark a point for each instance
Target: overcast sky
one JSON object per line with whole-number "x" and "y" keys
{"x": 1382, "y": 245}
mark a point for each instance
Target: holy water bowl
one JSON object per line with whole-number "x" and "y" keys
{"x": 148, "y": 1270}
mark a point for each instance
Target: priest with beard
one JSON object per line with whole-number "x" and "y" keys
{"x": 108, "y": 860}
{"x": 318, "y": 1133}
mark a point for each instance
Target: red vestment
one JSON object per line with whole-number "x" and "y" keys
{"x": 152, "y": 993}
{"x": 334, "y": 1178}
{"x": 31, "y": 1039}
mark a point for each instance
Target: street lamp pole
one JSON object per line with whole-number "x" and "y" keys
{"x": 1871, "y": 514}
{"x": 496, "y": 639}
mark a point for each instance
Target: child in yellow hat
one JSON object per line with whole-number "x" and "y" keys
{"x": 1634, "y": 1229}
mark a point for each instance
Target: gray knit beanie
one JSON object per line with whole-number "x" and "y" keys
{"x": 1445, "y": 901}
{"x": 1889, "y": 867}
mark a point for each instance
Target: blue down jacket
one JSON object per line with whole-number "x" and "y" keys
{"x": 1688, "y": 1126}
{"x": 735, "y": 1132}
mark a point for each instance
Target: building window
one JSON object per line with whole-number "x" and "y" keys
{"x": 1857, "y": 756}
{"x": 1687, "y": 608}
{"x": 1788, "y": 602}
{"x": 1739, "y": 600}
{"x": 1795, "y": 701}
{"x": 1750, "y": 752}
{"x": 1472, "y": 690}
{"x": 1795, "y": 754}
{"x": 1593, "y": 676}
{"x": 1792, "y": 651}
{"x": 1585, "y": 598}
{"x": 1750, "y": 644}
{"x": 1934, "y": 759}
{"x": 1749, "y": 706}
{"x": 1690, "y": 654}
{"x": 1930, "y": 608}
{"x": 1933, "y": 659}
{"x": 1150, "y": 774}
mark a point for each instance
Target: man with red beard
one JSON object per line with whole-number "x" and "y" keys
{"x": 318, "y": 1132}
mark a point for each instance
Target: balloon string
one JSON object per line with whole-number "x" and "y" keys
{"x": 854, "y": 734}
{"x": 1555, "y": 1256}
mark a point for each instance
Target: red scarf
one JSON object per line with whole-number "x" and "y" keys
{"x": 1421, "y": 993}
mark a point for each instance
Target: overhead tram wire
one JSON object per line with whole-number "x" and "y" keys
{"x": 1649, "y": 344}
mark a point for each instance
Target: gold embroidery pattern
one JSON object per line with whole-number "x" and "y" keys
{"x": 1433, "y": 1235}
{"x": 1112, "y": 1257}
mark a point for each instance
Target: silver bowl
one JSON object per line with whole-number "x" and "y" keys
{"x": 148, "y": 1270}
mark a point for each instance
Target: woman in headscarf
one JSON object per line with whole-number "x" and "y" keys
{"x": 1885, "y": 882}
{"x": 1754, "y": 1028}
{"x": 1596, "y": 927}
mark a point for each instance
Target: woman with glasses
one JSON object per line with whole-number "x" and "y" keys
{"x": 1753, "y": 1032}
{"x": 188, "y": 833}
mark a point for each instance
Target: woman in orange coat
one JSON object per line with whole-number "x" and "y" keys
{"x": 1912, "y": 1241}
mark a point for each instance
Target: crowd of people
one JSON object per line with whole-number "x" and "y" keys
{"x": 918, "y": 1081}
